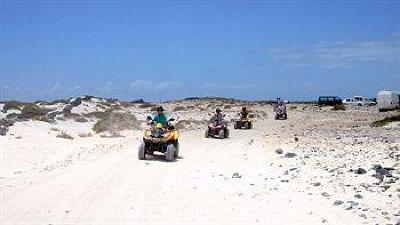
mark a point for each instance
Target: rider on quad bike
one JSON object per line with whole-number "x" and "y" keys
{"x": 160, "y": 136}
{"x": 280, "y": 110}
{"x": 218, "y": 117}
{"x": 244, "y": 113}
{"x": 217, "y": 126}
{"x": 243, "y": 121}
{"x": 160, "y": 117}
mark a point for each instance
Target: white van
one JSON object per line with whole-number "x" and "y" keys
{"x": 388, "y": 100}
{"x": 357, "y": 101}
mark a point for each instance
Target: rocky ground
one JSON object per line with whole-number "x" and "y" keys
{"x": 79, "y": 166}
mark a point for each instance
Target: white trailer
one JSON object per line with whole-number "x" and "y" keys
{"x": 388, "y": 100}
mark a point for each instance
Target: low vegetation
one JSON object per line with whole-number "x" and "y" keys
{"x": 228, "y": 107}
{"x": 85, "y": 135}
{"x": 32, "y": 111}
{"x": 54, "y": 129}
{"x": 76, "y": 117}
{"x": 386, "y": 121}
{"x": 339, "y": 108}
{"x": 112, "y": 135}
{"x": 147, "y": 105}
{"x": 13, "y": 105}
{"x": 99, "y": 114}
{"x": 292, "y": 107}
{"x": 65, "y": 135}
{"x": 179, "y": 108}
{"x": 112, "y": 121}
{"x": 190, "y": 107}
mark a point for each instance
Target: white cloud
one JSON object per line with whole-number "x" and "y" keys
{"x": 140, "y": 85}
{"x": 56, "y": 87}
{"x": 339, "y": 54}
{"x": 227, "y": 86}
{"x": 157, "y": 86}
{"x": 168, "y": 85}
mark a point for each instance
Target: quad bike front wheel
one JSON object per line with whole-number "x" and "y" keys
{"x": 207, "y": 133}
{"x": 236, "y": 125}
{"x": 176, "y": 150}
{"x": 142, "y": 151}
{"x": 226, "y": 133}
{"x": 170, "y": 153}
{"x": 221, "y": 134}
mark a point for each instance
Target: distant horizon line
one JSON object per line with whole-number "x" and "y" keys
{"x": 143, "y": 100}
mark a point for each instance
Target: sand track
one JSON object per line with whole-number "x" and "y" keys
{"x": 117, "y": 188}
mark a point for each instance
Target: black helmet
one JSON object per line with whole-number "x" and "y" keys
{"x": 218, "y": 110}
{"x": 160, "y": 109}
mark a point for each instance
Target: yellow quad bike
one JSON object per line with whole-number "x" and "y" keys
{"x": 243, "y": 123}
{"x": 160, "y": 139}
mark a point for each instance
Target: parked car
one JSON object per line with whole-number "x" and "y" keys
{"x": 349, "y": 101}
{"x": 388, "y": 100}
{"x": 329, "y": 100}
{"x": 361, "y": 101}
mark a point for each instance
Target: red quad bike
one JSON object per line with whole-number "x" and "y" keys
{"x": 217, "y": 129}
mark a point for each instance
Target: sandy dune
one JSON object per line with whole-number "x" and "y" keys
{"x": 240, "y": 180}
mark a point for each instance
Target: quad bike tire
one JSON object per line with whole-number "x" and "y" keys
{"x": 250, "y": 125}
{"x": 176, "y": 155}
{"x": 247, "y": 125}
{"x": 207, "y": 133}
{"x": 221, "y": 134}
{"x": 142, "y": 151}
{"x": 170, "y": 153}
{"x": 236, "y": 125}
{"x": 226, "y": 133}
{"x": 284, "y": 116}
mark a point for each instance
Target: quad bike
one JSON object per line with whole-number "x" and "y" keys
{"x": 217, "y": 129}
{"x": 243, "y": 123}
{"x": 160, "y": 139}
{"x": 280, "y": 112}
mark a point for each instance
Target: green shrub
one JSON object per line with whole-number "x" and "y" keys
{"x": 32, "y": 111}
{"x": 115, "y": 122}
{"x": 99, "y": 114}
{"x": 13, "y": 105}
{"x": 292, "y": 107}
{"x": 100, "y": 126}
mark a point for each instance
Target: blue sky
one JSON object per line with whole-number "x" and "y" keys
{"x": 166, "y": 50}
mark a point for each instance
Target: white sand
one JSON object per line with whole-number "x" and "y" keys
{"x": 94, "y": 180}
